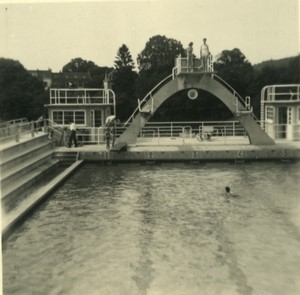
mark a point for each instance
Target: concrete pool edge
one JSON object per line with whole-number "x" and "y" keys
{"x": 185, "y": 153}
{"x": 12, "y": 218}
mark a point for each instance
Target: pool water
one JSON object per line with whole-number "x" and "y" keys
{"x": 169, "y": 229}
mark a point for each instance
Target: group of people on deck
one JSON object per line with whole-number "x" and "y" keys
{"x": 204, "y": 56}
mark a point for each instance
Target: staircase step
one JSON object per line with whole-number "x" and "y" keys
{"x": 26, "y": 153}
{"x": 36, "y": 196}
{"x": 8, "y": 153}
{"x": 13, "y": 194}
{"x": 24, "y": 166}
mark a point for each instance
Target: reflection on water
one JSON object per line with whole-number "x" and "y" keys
{"x": 169, "y": 229}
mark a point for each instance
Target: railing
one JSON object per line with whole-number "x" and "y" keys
{"x": 191, "y": 129}
{"x": 171, "y": 130}
{"x": 81, "y": 96}
{"x": 182, "y": 66}
{"x": 279, "y": 93}
{"x": 246, "y": 103}
{"x": 283, "y": 131}
{"x": 282, "y": 93}
{"x": 13, "y": 122}
{"x": 14, "y": 130}
{"x": 145, "y": 99}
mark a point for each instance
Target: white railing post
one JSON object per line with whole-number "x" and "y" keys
{"x": 32, "y": 128}
{"x": 17, "y": 134}
{"x": 233, "y": 128}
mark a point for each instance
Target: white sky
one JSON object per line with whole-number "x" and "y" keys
{"x": 48, "y": 35}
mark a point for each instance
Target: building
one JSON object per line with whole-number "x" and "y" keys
{"x": 280, "y": 111}
{"x": 86, "y": 107}
{"x": 44, "y": 75}
{"x": 62, "y": 80}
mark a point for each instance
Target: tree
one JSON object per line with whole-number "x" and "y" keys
{"x": 21, "y": 94}
{"x": 283, "y": 71}
{"x": 160, "y": 51}
{"x": 79, "y": 65}
{"x": 236, "y": 70}
{"x": 123, "y": 59}
{"x": 124, "y": 78}
{"x": 156, "y": 62}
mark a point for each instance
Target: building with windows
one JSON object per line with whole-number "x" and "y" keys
{"x": 86, "y": 107}
{"x": 61, "y": 80}
{"x": 280, "y": 111}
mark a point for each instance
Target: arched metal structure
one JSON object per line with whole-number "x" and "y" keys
{"x": 204, "y": 81}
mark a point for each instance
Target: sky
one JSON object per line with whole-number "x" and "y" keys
{"x": 43, "y": 35}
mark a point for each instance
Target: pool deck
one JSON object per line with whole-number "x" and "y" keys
{"x": 235, "y": 149}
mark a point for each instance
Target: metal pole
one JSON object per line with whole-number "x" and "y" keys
{"x": 17, "y": 135}
{"x": 233, "y": 126}
{"x": 32, "y": 128}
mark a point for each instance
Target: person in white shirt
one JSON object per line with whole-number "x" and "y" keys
{"x": 204, "y": 54}
{"x": 72, "y": 138}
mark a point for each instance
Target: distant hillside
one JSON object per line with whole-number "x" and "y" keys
{"x": 278, "y": 63}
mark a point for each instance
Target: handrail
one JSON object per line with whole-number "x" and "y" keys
{"x": 15, "y": 121}
{"x": 52, "y": 123}
{"x": 145, "y": 99}
{"x": 278, "y": 86}
{"x": 235, "y": 93}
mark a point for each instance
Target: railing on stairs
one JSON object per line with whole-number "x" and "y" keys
{"x": 14, "y": 130}
{"x": 146, "y": 98}
{"x": 246, "y": 103}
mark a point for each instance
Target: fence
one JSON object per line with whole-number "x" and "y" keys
{"x": 96, "y": 135}
{"x": 15, "y": 129}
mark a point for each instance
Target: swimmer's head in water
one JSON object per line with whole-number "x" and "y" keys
{"x": 227, "y": 189}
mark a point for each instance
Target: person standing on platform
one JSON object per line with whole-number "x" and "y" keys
{"x": 72, "y": 138}
{"x": 204, "y": 54}
{"x": 190, "y": 58}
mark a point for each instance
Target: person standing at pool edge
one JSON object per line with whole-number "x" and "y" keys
{"x": 72, "y": 138}
{"x": 190, "y": 61}
{"x": 204, "y": 54}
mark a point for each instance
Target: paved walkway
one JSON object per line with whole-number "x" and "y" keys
{"x": 168, "y": 144}
{"x": 180, "y": 144}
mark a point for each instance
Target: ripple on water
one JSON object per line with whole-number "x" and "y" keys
{"x": 161, "y": 230}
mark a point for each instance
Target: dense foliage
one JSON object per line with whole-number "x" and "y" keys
{"x": 79, "y": 65}
{"x": 124, "y": 78}
{"x": 21, "y": 94}
{"x": 155, "y": 62}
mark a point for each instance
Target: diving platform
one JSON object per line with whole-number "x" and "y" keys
{"x": 198, "y": 77}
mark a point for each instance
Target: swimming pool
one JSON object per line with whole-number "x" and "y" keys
{"x": 131, "y": 229}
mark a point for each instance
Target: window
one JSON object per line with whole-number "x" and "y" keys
{"x": 65, "y": 117}
{"x": 289, "y": 115}
{"x": 58, "y": 117}
{"x": 298, "y": 113}
{"x": 79, "y": 117}
{"x": 98, "y": 118}
{"x": 269, "y": 113}
{"x": 68, "y": 117}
